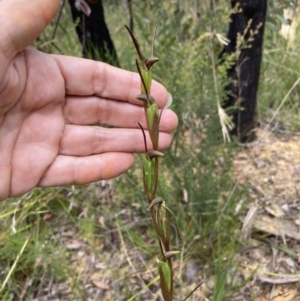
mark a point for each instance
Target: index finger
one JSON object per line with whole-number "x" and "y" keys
{"x": 21, "y": 23}
{"x": 85, "y": 77}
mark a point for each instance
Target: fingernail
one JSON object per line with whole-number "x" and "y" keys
{"x": 170, "y": 100}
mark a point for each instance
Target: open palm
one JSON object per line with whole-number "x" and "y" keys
{"x": 48, "y": 104}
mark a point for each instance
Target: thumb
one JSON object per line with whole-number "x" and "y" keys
{"x": 22, "y": 21}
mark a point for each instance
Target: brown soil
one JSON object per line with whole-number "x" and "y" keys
{"x": 270, "y": 167}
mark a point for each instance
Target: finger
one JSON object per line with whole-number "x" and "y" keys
{"x": 67, "y": 170}
{"x": 22, "y": 21}
{"x": 86, "y": 77}
{"x": 88, "y": 140}
{"x": 95, "y": 110}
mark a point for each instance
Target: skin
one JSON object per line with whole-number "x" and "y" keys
{"x": 49, "y": 104}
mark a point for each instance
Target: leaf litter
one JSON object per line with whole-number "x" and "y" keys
{"x": 270, "y": 168}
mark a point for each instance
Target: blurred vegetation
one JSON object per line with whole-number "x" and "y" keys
{"x": 197, "y": 176}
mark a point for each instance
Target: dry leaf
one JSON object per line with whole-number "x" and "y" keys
{"x": 74, "y": 245}
{"x": 100, "y": 284}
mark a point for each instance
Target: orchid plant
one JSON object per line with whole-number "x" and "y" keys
{"x": 161, "y": 215}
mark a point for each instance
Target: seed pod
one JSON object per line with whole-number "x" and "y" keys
{"x": 166, "y": 284}
{"x": 163, "y": 222}
{"x": 147, "y": 77}
{"x": 149, "y": 175}
{"x": 164, "y": 215}
{"x": 153, "y": 124}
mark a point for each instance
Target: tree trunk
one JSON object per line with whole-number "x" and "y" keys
{"x": 249, "y": 18}
{"x": 93, "y": 33}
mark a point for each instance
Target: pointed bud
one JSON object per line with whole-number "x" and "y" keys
{"x": 150, "y": 61}
{"x": 146, "y": 98}
{"x": 170, "y": 254}
{"x": 157, "y": 200}
{"x": 154, "y": 154}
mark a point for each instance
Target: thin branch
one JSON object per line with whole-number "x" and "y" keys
{"x": 58, "y": 18}
{"x": 142, "y": 79}
{"x": 136, "y": 45}
{"x": 153, "y": 39}
{"x": 191, "y": 293}
{"x": 145, "y": 140}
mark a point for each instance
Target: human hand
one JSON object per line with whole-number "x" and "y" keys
{"x": 48, "y": 104}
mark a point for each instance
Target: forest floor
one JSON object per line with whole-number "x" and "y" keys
{"x": 270, "y": 167}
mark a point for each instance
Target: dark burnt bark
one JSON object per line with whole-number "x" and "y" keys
{"x": 93, "y": 33}
{"x": 244, "y": 73}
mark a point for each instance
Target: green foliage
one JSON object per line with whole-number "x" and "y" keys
{"x": 196, "y": 173}
{"x": 22, "y": 224}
